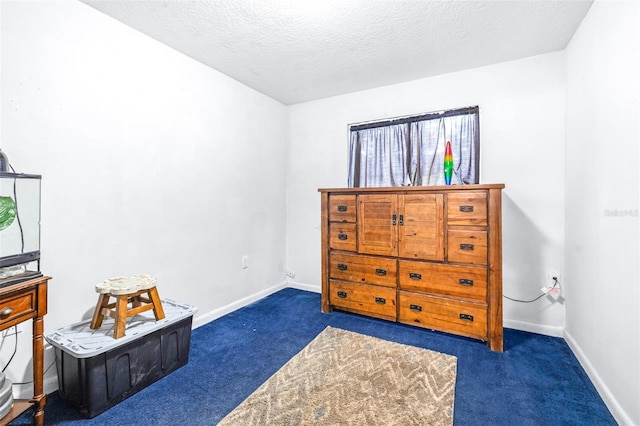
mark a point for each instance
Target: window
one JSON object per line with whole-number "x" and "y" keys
{"x": 410, "y": 151}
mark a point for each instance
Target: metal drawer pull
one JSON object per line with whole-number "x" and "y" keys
{"x": 6, "y": 311}
{"x": 393, "y": 219}
{"x": 464, "y": 281}
{"x": 342, "y": 294}
{"x": 415, "y": 276}
{"x": 342, "y": 266}
{"x": 401, "y": 219}
{"x": 381, "y": 300}
{"x": 415, "y": 308}
{"x": 466, "y": 317}
{"x": 381, "y": 272}
{"x": 342, "y": 208}
{"x": 343, "y": 236}
{"x": 468, "y": 247}
{"x": 466, "y": 209}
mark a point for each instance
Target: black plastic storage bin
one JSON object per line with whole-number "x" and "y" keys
{"x": 96, "y": 371}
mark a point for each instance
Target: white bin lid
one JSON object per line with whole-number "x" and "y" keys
{"x": 81, "y": 341}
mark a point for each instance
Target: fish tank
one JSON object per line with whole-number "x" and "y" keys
{"x": 19, "y": 227}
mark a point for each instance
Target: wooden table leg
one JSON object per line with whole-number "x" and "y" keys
{"x": 121, "y": 316}
{"x": 98, "y": 314}
{"x": 39, "y": 398}
{"x": 158, "y": 311}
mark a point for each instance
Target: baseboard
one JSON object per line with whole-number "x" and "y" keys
{"x": 50, "y": 382}
{"x": 621, "y": 416}
{"x": 304, "y": 286}
{"x": 217, "y": 313}
{"x": 25, "y": 391}
{"x": 547, "y": 330}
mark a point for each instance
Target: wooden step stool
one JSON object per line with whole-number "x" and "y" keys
{"x": 139, "y": 291}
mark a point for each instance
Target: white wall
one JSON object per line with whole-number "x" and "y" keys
{"x": 603, "y": 130}
{"x": 522, "y": 118}
{"x": 151, "y": 163}
{"x": 149, "y": 167}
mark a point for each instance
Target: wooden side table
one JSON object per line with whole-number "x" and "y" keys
{"x": 18, "y": 303}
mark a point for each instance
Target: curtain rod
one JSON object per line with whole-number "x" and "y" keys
{"x": 423, "y": 117}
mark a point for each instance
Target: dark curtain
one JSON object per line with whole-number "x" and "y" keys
{"x": 378, "y": 157}
{"x": 410, "y": 151}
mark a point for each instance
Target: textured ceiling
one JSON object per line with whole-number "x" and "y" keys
{"x": 301, "y": 50}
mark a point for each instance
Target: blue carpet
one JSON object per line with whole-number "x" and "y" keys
{"x": 536, "y": 381}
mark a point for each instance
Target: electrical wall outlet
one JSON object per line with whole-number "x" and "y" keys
{"x": 291, "y": 274}
{"x": 552, "y": 280}
{"x": 552, "y": 277}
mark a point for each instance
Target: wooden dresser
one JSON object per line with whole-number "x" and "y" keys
{"x": 426, "y": 256}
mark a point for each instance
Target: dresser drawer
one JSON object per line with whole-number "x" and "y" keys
{"x": 363, "y": 269}
{"x": 363, "y": 298}
{"x": 342, "y": 236}
{"x": 468, "y": 282}
{"x": 439, "y": 313}
{"x": 21, "y": 306}
{"x": 468, "y": 208}
{"x": 342, "y": 208}
{"x": 466, "y": 246}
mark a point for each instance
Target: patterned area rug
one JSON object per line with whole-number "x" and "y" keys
{"x": 348, "y": 378}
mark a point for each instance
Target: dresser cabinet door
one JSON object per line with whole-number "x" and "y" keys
{"x": 406, "y": 225}
{"x": 420, "y": 226}
{"x": 377, "y": 224}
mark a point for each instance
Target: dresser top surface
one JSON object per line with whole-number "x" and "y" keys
{"x": 416, "y": 188}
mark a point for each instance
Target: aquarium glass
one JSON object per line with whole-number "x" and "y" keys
{"x": 19, "y": 218}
